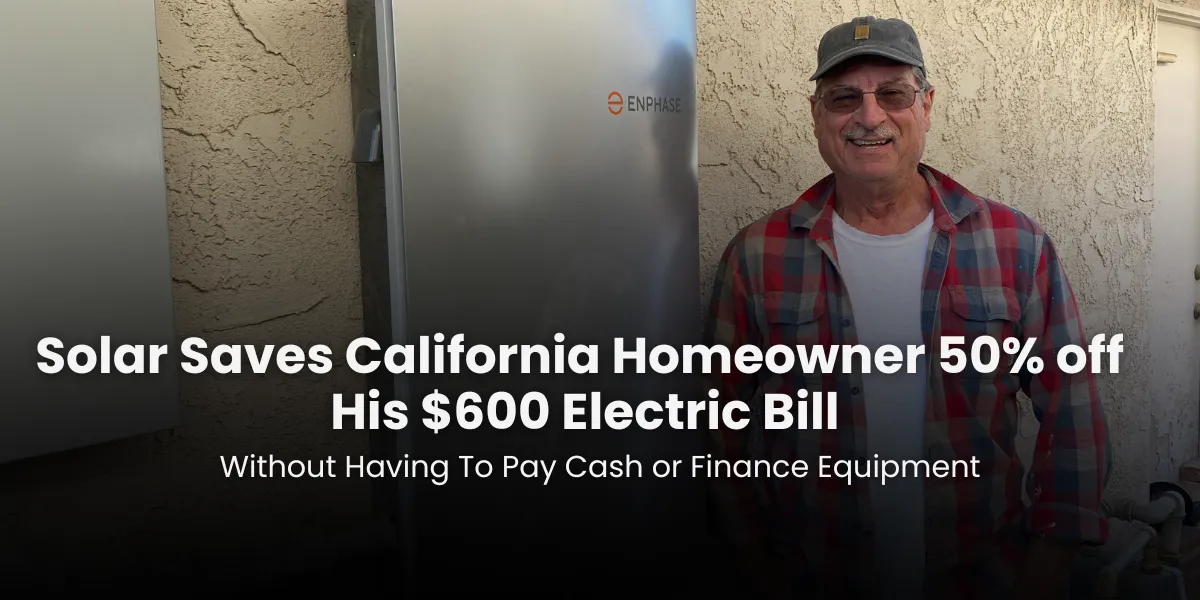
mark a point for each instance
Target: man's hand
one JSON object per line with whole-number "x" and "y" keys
{"x": 1046, "y": 571}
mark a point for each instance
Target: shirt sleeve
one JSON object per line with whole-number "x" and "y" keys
{"x": 737, "y": 502}
{"x": 1072, "y": 457}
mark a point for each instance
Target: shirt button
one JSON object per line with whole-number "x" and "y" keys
{"x": 845, "y": 322}
{"x": 854, "y": 391}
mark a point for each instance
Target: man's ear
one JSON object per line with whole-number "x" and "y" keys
{"x": 928, "y": 108}
{"x": 814, "y": 105}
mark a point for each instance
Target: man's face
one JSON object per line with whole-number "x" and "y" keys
{"x": 871, "y": 143}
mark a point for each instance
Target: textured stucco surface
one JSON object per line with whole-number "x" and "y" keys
{"x": 1016, "y": 118}
{"x": 256, "y": 108}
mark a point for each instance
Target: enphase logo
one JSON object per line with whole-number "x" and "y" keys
{"x": 619, "y": 103}
{"x": 615, "y": 103}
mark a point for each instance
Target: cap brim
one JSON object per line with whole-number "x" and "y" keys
{"x": 859, "y": 51}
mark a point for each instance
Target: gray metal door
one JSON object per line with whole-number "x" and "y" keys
{"x": 542, "y": 178}
{"x": 83, "y": 221}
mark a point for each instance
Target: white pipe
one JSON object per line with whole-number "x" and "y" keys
{"x": 1170, "y": 504}
{"x": 1180, "y": 584}
{"x": 1168, "y": 510}
{"x": 1172, "y": 530}
{"x": 1120, "y": 532}
{"x": 1106, "y": 580}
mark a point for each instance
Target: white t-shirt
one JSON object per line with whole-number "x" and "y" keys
{"x": 884, "y": 276}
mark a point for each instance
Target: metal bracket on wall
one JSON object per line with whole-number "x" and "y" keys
{"x": 368, "y": 137}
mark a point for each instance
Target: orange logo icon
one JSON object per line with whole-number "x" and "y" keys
{"x": 615, "y": 103}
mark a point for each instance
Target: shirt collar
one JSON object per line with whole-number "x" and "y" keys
{"x": 952, "y": 203}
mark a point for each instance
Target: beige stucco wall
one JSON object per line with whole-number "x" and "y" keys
{"x": 258, "y": 131}
{"x": 256, "y": 105}
{"x": 1017, "y": 117}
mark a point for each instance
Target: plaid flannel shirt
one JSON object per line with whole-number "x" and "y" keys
{"x": 991, "y": 271}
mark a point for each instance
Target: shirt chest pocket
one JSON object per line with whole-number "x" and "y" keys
{"x": 792, "y": 318}
{"x": 984, "y": 317}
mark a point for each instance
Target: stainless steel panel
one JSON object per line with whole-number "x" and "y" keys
{"x": 83, "y": 219}
{"x": 520, "y": 186}
{"x": 523, "y": 207}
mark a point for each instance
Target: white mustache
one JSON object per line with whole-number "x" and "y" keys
{"x": 859, "y": 132}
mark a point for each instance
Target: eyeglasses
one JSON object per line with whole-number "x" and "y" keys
{"x": 891, "y": 97}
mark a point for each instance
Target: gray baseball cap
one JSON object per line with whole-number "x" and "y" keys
{"x": 868, "y": 36}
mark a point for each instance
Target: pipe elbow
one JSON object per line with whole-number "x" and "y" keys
{"x": 1180, "y": 504}
{"x": 1169, "y": 505}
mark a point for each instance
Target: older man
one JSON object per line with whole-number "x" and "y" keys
{"x": 888, "y": 250}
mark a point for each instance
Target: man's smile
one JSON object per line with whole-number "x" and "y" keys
{"x": 869, "y": 143}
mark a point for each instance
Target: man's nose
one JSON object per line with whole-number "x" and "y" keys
{"x": 870, "y": 113}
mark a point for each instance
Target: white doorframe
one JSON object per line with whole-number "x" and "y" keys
{"x": 1171, "y": 355}
{"x": 1177, "y": 14}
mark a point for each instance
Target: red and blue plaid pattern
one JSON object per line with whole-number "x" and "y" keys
{"x": 991, "y": 271}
